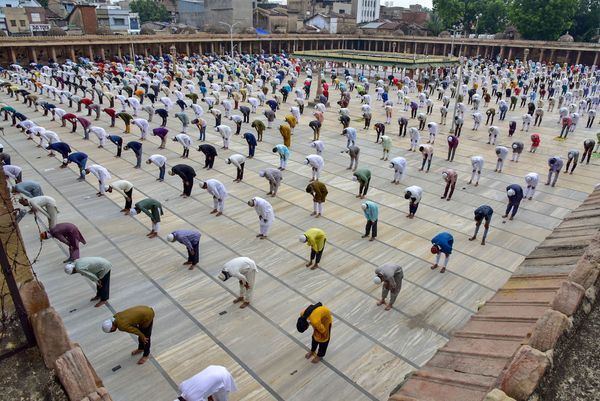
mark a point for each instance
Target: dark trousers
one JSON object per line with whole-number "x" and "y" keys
{"x": 146, "y": 332}
{"x": 119, "y": 149}
{"x": 412, "y": 208}
{"x": 449, "y": 186}
{"x": 371, "y": 225}
{"x": 489, "y": 117}
{"x": 314, "y": 254}
{"x": 402, "y": 130}
{"x": 514, "y": 206}
{"x": 564, "y": 130}
{"x": 240, "y": 172}
{"x": 103, "y": 292}
{"x": 458, "y": 130}
{"x": 187, "y": 187}
{"x": 574, "y": 161}
{"x": 202, "y": 134}
{"x": 322, "y": 347}
{"x": 364, "y": 187}
{"x": 413, "y": 113}
{"x": 428, "y": 161}
{"x": 587, "y": 153}
{"x": 186, "y": 152}
{"x": 451, "y": 152}
{"x": 161, "y": 172}
{"x": 193, "y": 259}
{"x": 128, "y": 201}
{"x": 209, "y": 161}
{"x": 251, "y": 149}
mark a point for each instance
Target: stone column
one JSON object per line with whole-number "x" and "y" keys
{"x": 187, "y": 49}
{"x": 90, "y": 52}
{"x": 541, "y": 55}
{"x": 509, "y": 53}
{"x": 102, "y": 53}
{"x": 552, "y": 56}
{"x": 160, "y": 51}
{"x": 72, "y": 52}
{"x": 121, "y": 54}
{"x": 596, "y": 59}
{"x": 53, "y": 53}
{"x": 13, "y": 55}
{"x": 271, "y": 47}
{"x": 578, "y": 57}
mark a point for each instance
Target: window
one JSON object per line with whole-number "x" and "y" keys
{"x": 35, "y": 17}
{"x": 13, "y": 22}
{"x": 119, "y": 21}
{"x": 22, "y": 23}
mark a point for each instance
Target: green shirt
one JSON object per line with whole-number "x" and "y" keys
{"x": 94, "y": 268}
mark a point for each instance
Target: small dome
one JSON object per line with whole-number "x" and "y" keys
{"x": 399, "y": 32}
{"x": 56, "y": 31}
{"x": 566, "y": 38}
{"x": 147, "y": 31}
{"x": 444, "y": 34}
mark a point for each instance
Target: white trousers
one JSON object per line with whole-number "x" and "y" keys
{"x": 218, "y": 204}
{"x": 246, "y": 293}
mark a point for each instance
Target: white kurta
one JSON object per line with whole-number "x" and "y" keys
{"x": 215, "y": 381}
{"x": 218, "y": 192}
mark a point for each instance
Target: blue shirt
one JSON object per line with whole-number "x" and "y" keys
{"x": 63, "y": 148}
{"x": 78, "y": 157}
{"x": 445, "y": 241}
{"x": 372, "y": 211}
{"x": 250, "y": 138}
{"x": 135, "y": 146}
{"x": 116, "y": 139}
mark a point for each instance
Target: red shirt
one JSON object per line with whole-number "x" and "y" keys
{"x": 110, "y": 112}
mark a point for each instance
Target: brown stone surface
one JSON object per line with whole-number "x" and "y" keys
{"x": 104, "y": 394}
{"x": 521, "y": 377}
{"x": 497, "y": 395}
{"x": 585, "y": 273}
{"x": 75, "y": 375}
{"x": 34, "y": 297}
{"x": 548, "y": 329}
{"x": 97, "y": 378}
{"x": 51, "y": 335}
{"x": 568, "y": 298}
{"x": 94, "y": 396}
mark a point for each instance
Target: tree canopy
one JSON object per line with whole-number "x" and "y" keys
{"x": 534, "y": 19}
{"x": 150, "y": 10}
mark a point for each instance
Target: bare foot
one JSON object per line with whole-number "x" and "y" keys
{"x": 99, "y": 304}
{"x": 142, "y": 360}
{"x": 316, "y": 266}
{"x": 219, "y": 214}
{"x": 214, "y": 211}
{"x": 372, "y": 239}
{"x": 443, "y": 270}
{"x": 308, "y": 264}
{"x": 472, "y": 239}
{"x": 95, "y": 299}
{"x": 316, "y": 359}
{"x": 308, "y": 355}
{"x": 244, "y": 305}
{"x": 388, "y": 307}
{"x": 434, "y": 267}
{"x": 191, "y": 267}
{"x": 238, "y": 300}
{"x": 137, "y": 351}
{"x": 380, "y": 302}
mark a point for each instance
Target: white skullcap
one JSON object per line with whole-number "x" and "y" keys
{"x": 65, "y": 161}
{"x": 228, "y": 161}
{"x": 306, "y": 161}
{"x": 1, "y": 146}
{"x": 302, "y": 238}
{"x": 171, "y": 238}
{"x": 107, "y": 325}
{"x": 391, "y": 165}
{"x": 514, "y": 145}
{"x": 69, "y": 267}
{"x": 261, "y": 173}
{"x": 510, "y": 192}
{"x": 445, "y": 175}
{"x": 364, "y": 206}
{"x": 376, "y": 280}
{"x": 354, "y": 178}
{"x": 133, "y": 212}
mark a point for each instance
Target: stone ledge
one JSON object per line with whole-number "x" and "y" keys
{"x": 512, "y": 337}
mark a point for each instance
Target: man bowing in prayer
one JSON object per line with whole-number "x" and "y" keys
{"x": 98, "y": 271}
{"x": 213, "y": 384}
{"x": 244, "y": 269}
{"x": 138, "y": 321}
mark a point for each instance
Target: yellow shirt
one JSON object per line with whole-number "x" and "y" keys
{"x": 321, "y": 320}
{"x": 315, "y": 238}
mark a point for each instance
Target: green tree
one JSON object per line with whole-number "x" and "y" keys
{"x": 435, "y": 24}
{"x": 475, "y": 15}
{"x": 543, "y": 19}
{"x": 586, "y": 21}
{"x": 150, "y": 10}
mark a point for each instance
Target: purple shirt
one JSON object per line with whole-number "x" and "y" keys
{"x": 67, "y": 233}
{"x": 189, "y": 238}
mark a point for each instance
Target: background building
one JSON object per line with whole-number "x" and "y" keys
{"x": 365, "y": 10}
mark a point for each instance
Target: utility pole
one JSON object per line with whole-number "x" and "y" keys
{"x": 230, "y": 26}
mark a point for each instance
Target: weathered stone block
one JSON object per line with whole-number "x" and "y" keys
{"x": 104, "y": 394}
{"x": 497, "y": 395}
{"x": 548, "y": 330}
{"x": 94, "y": 396}
{"x": 568, "y": 298}
{"x": 523, "y": 374}
{"x": 51, "y": 335}
{"x": 585, "y": 273}
{"x": 75, "y": 375}
{"x": 34, "y": 297}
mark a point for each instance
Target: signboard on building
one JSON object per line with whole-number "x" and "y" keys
{"x": 39, "y": 27}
